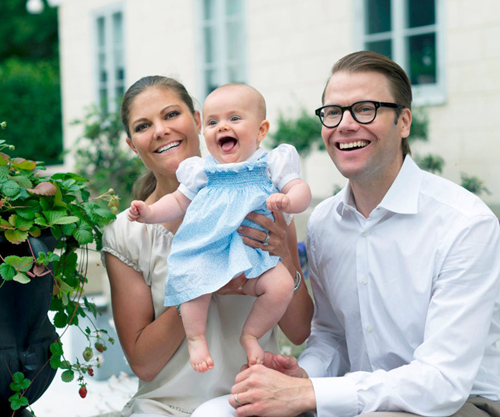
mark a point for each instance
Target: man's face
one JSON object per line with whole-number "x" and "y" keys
{"x": 366, "y": 154}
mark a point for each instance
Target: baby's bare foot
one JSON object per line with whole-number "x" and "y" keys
{"x": 255, "y": 353}
{"x": 199, "y": 355}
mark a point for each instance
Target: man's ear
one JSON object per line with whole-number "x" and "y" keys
{"x": 404, "y": 122}
{"x": 131, "y": 145}
{"x": 263, "y": 130}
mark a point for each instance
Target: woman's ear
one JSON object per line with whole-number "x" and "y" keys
{"x": 263, "y": 130}
{"x": 131, "y": 145}
{"x": 197, "y": 120}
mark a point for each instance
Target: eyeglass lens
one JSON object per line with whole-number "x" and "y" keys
{"x": 362, "y": 112}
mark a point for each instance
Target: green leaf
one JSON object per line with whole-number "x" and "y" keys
{"x": 105, "y": 214}
{"x": 55, "y": 361}
{"x": 10, "y": 189}
{"x": 8, "y": 272}
{"x": 23, "y": 181}
{"x": 66, "y": 220}
{"x": 16, "y": 236}
{"x": 68, "y": 375}
{"x": 22, "y": 278}
{"x": 27, "y": 214}
{"x": 20, "y": 263}
{"x": 61, "y": 320}
{"x": 23, "y": 224}
{"x": 56, "y": 348}
{"x": 18, "y": 377}
{"x": 24, "y": 164}
{"x": 83, "y": 236}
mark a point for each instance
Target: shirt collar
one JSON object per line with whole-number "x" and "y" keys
{"x": 401, "y": 198}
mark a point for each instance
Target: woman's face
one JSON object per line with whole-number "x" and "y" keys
{"x": 163, "y": 130}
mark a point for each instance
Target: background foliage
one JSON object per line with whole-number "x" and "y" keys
{"x": 30, "y": 98}
{"x": 103, "y": 155}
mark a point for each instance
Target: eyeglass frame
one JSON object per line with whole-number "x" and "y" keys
{"x": 377, "y": 105}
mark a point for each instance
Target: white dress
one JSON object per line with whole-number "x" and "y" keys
{"x": 177, "y": 390}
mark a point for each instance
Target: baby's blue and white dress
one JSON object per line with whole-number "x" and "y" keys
{"x": 207, "y": 251}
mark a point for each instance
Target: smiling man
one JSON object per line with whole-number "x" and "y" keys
{"x": 405, "y": 268}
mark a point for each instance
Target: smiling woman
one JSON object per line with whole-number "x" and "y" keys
{"x": 162, "y": 127}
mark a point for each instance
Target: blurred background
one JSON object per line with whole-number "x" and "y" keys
{"x": 65, "y": 64}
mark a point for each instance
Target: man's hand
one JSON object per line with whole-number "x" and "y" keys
{"x": 139, "y": 211}
{"x": 279, "y": 202}
{"x": 266, "y": 392}
{"x": 287, "y": 365}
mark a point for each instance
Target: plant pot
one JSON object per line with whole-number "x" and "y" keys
{"x": 26, "y": 331}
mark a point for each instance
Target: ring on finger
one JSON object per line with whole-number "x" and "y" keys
{"x": 236, "y": 399}
{"x": 265, "y": 242}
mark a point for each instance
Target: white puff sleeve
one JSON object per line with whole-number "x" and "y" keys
{"x": 191, "y": 176}
{"x": 284, "y": 165}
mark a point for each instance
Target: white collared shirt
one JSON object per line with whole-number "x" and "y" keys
{"x": 404, "y": 300}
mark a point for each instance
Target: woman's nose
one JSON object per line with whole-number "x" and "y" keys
{"x": 162, "y": 129}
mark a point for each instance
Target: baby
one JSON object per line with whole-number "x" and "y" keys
{"x": 215, "y": 195}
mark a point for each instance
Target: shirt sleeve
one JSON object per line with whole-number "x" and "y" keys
{"x": 439, "y": 378}
{"x": 191, "y": 176}
{"x": 284, "y": 165}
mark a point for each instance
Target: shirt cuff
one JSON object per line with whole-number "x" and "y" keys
{"x": 335, "y": 397}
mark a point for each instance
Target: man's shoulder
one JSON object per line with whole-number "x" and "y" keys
{"x": 451, "y": 196}
{"x": 325, "y": 209}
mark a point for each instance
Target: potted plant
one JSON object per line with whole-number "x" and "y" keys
{"x": 46, "y": 225}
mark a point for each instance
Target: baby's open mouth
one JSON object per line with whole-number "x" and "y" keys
{"x": 227, "y": 143}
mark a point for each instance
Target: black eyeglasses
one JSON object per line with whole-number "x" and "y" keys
{"x": 363, "y": 112}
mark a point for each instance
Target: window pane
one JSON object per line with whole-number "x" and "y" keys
{"x": 208, "y": 9}
{"x": 234, "y": 40}
{"x": 422, "y": 55}
{"x": 117, "y": 29}
{"x": 208, "y": 39}
{"x": 210, "y": 81}
{"x": 236, "y": 74}
{"x": 378, "y": 16}
{"x": 382, "y": 47}
{"x": 234, "y": 7}
{"x": 101, "y": 39}
{"x": 421, "y": 13}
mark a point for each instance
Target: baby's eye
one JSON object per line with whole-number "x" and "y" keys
{"x": 235, "y": 118}
{"x": 141, "y": 127}
{"x": 211, "y": 123}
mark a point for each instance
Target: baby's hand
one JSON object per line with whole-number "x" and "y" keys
{"x": 138, "y": 211}
{"x": 278, "y": 202}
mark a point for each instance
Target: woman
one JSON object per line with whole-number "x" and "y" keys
{"x": 163, "y": 129}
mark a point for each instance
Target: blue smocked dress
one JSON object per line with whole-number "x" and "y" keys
{"x": 207, "y": 251}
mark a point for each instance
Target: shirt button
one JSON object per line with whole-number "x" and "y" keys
{"x": 365, "y": 233}
{"x": 364, "y": 281}
{"x": 369, "y": 329}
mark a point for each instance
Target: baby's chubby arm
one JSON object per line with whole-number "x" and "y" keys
{"x": 168, "y": 208}
{"x": 294, "y": 198}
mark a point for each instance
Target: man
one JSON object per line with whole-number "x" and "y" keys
{"x": 405, "y": 269}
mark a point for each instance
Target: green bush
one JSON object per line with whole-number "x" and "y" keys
{"x": 30, "y": 95}
{"x": 103, "y": 156}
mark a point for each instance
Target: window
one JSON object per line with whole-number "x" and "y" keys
{"x": 410, "y": 33}
{"x": 223, "y": 43}
{"x": 110, "y": 58}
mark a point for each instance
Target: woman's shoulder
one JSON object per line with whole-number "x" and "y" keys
{"x": 133, "y": 241}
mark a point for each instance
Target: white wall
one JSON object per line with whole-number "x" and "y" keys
{"x": 292, "y": 44}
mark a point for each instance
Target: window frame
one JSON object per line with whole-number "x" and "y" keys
{"x": 110, "y": 47}
{"x": 427, "y": 94}
{"x": 221, "y": 62}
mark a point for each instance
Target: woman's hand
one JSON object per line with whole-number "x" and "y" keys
{"x": 277, "y": 232}
{"x": 234, "y": 286}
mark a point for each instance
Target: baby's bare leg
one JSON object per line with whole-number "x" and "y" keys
{"x": 194, "y": 318}
{"x": 274, "y": 291}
